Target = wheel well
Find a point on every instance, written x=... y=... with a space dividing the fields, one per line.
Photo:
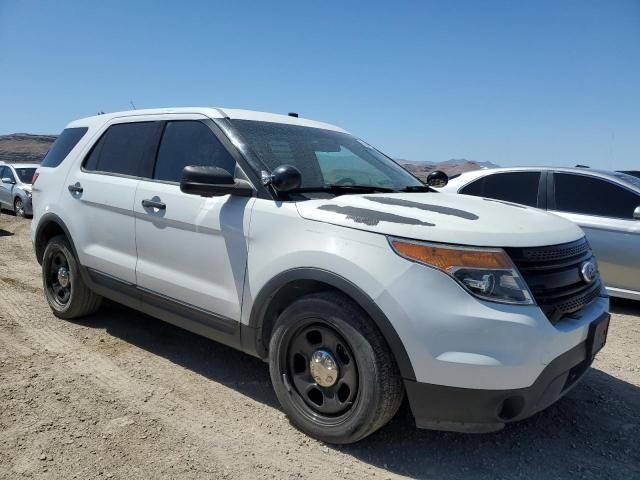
x=284 y=297
x=45 y=233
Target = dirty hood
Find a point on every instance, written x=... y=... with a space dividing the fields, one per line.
x=443 y=217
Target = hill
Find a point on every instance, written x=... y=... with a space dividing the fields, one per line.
x=24 y=147
x=451 y=167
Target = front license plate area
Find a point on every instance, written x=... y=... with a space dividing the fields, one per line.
x=597 y=335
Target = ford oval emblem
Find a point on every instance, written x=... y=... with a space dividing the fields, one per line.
x=589 y=271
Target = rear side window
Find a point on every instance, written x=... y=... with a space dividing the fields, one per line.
x=189 y=142
x=593 y=196
x=122 y=149
x=68 y=139
x=516 y=187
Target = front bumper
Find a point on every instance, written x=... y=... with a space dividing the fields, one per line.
x=439 y=407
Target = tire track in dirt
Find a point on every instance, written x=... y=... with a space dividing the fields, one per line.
x=37 y=324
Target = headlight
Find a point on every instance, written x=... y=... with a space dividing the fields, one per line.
x=487 y=273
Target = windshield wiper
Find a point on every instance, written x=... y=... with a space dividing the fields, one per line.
x=417 y=188
x=333 y=188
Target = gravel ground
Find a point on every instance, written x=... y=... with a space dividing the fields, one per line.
x=121 y=395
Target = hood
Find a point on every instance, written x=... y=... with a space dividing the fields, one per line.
x=443 y=217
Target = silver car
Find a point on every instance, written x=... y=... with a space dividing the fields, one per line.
x=605 y=204
x=15 y=187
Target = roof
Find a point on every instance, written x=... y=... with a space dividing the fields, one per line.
x=21 y=164
x=617 y=177
x=211 y=112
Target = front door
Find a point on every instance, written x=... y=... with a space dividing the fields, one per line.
x=6 y=189
x=192 y=251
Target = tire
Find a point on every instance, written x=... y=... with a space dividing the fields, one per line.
x=75 y=299
x=18 y=207
x=331 y=323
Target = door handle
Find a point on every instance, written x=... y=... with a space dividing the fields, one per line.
x=153 y=204
x=76 y=188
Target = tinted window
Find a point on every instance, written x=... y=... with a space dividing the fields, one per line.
x=189 y=143
x=7 y=173
x=592 y=196
x=122 y=149
x=516 y=187
x=25 y=174
x=68 y=139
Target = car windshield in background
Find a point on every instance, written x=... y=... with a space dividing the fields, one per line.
x=628 y=178
x=25 y=174
x=324 y=157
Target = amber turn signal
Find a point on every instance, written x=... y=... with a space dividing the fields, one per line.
x=445 y=258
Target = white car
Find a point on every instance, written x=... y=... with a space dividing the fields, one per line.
x=605 y=204
x=296 y=242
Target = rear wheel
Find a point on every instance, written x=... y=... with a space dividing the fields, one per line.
x=331 y=369
x=18 y=207
x=66 y=293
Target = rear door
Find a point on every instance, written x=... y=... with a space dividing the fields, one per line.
x=192 y=251
x=99 y=196
x=516 y=187
x=604 y=210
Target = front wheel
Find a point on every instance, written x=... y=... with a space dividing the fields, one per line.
x=18 y=207
x=331 y=369
x=66 y=292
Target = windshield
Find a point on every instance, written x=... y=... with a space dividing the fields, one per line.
x=25 y=174
x=628 y=178
x=324 y=157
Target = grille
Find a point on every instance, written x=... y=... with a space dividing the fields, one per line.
x=553 y=276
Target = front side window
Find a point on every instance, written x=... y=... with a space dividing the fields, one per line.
x=8 y=174
x=324 y=157
x=189 y=142
x=121 y=149
x=593 y=196
x=25 y=174
x=516 y=187
x=68 y=139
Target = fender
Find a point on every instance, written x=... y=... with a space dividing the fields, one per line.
x=45 y=220
x=252 y=333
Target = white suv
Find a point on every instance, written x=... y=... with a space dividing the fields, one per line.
x=298 y=243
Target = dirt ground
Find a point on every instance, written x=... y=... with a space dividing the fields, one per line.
x=121 y=395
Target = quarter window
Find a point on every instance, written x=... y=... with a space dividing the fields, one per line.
x=68 y=139
x=516 y=187
x=122 y=149
x=189 y=142
x=593 y=196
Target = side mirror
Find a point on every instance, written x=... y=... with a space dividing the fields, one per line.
x=8 y=180
x=437 y=179
x=212 y=182
x=283 y=178
x=636 y=213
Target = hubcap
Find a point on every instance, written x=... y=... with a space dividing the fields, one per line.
x=324 y=368
x=63 y=277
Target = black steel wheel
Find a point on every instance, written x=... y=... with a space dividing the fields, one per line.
x=332 y=370
x=323 y=371
x=66 y=292
x=18 y=207
x=58 y=278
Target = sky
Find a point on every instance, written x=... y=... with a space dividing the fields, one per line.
x=514 y=83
